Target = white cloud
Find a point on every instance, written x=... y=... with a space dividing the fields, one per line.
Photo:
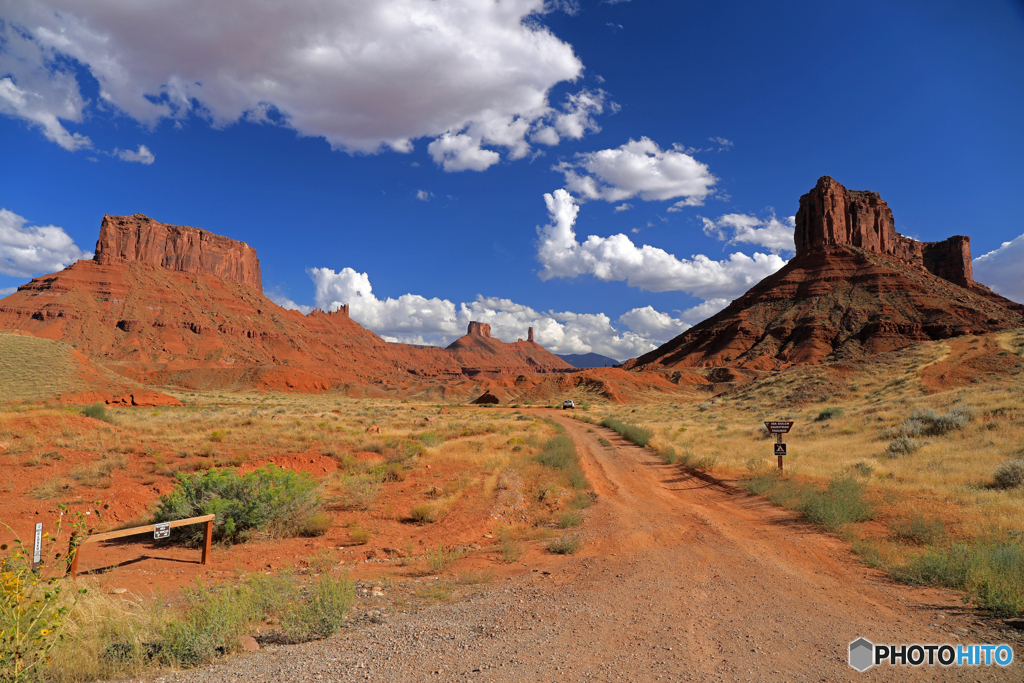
x=7 y=291
x=617 y=258
x=723 y=144
x=33 y=87
x=416 y=319
x=284 y=302
x=365 y=76
x=704 y=310
x=143 y=156
x=771 y=233
x=623 y=207
x=1000 y=269
x=423 y=195
x=653 y=324
x=639 y=168
x=34 y=250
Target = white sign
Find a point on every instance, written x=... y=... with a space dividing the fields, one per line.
x=38 y=548
x=162 y=530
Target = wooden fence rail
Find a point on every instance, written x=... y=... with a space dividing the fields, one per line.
x=75 y=547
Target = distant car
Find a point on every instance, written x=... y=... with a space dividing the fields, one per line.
x=568 y=404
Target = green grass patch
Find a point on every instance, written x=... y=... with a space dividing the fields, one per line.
x=565 y=545
x=641 y=436
x=841 y=503
x=560 y=453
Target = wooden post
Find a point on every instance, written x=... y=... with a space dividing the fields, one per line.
x=73 y=547
x=778 y=439
x=207 y=536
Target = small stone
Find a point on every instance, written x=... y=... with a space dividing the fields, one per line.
x=118 y=591
x=248 y=643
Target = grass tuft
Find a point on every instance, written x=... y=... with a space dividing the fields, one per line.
x=641 y=436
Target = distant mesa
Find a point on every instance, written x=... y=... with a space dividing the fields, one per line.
x=140 y=239
x=589 y=360
x=854 y=287
x=173 y=305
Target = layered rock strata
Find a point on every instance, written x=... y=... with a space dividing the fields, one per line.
x=140 y=239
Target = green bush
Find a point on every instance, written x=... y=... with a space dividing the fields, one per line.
x=902 y=445
x=272 y=500
x=828 y=414
x=929 y=422
x=567 y=520
x=317 y=525
x=565 y=545
x=98 y=411
x=641 y=436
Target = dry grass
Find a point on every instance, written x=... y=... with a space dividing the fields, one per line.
x=950 y=470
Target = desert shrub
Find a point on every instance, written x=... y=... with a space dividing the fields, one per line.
x=440 y=558
x=841 y=503
x=560 y=453
x=217 y=435
x=358 y=534
x=567 y=520
x=702 y=463
x=1010 y=474
x=322 y=610
x=929 y=422
x=828 y=414
x=902 y=445
x=565 y=545
x=272 y=500
x=98 y=411
x=359 y=491
x=431 y=439
x=641 y=436
x=920 y=530
x=583 y=500
x=668 y=455
x=317 y=525
x=991 y=571
x=423 y=513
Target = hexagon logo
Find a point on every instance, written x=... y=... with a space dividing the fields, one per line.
x=862 y=654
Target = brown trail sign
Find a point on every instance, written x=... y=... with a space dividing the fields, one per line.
x=778 y=428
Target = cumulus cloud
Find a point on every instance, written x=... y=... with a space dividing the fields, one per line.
x=641 y=169
x=365 y=76
x=617 y=258
x=704 y=310
x=770 y=233
x=34 y=87
x=423 y=195
x=415 y=319
x=33 y=250
x=142 y=156
x=1000 y=269
x=7 y=291
x=623 y=207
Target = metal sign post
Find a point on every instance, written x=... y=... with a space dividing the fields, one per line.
x=37 y=548
x=778 y=428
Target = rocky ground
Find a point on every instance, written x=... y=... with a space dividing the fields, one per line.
x=680 y=579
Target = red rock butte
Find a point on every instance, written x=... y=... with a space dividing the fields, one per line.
x=140 y=239
x=832 y=215
x=854 y=287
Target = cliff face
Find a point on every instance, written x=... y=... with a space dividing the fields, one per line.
x=140 y=239
x=832 y=215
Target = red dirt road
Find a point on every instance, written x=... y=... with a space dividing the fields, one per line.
x=681 y=579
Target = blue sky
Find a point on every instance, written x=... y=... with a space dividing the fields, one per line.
x=607 y=172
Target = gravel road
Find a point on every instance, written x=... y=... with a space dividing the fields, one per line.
x=680 y=579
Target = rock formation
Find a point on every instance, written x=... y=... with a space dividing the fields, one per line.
x=140 y=239
x=832 y=215
x=165 y=304
x=855 y=287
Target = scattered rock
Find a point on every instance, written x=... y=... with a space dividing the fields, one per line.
x=248 y=644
